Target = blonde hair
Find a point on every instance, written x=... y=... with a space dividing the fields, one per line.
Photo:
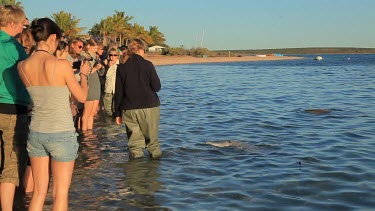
x=11 y=13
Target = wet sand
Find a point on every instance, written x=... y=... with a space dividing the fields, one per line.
x=158 y=60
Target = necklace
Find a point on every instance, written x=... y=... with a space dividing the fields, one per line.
x=42 y=50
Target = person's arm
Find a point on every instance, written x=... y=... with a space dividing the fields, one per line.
x=154 y=79
x=78 y=90
x=96 y=66
x=118 y=95
x=103 y=71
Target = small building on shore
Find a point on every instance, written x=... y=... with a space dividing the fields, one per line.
x=156 y=48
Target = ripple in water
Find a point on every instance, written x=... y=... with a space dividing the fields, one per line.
x=302 y=161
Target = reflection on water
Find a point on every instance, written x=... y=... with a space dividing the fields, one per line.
x=106 y=179
x=296 y=160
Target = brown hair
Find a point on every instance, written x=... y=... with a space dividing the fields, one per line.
x=42 y=28
x=137 y=44
x=74 y=41
x=90 y=42
x=11 y=13
x=26 y=39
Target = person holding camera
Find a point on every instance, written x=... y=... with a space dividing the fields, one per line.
x=75 y=48
x=91 y=105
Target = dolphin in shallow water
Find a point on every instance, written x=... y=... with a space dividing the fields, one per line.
x=229 y=143
x=318 y=111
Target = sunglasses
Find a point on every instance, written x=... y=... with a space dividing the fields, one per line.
x=80 y=46
x=113 y=55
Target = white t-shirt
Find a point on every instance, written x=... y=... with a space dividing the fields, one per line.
x=110 y=79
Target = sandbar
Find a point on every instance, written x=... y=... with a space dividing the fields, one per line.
x=159 y=60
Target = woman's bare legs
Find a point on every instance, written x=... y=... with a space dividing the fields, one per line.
x=28 y=180
x=94 y=111
x=89 y=112
x=62 y=176
x=86 y=113
x=40 y=169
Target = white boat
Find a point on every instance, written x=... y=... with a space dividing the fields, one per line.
x=318 y=58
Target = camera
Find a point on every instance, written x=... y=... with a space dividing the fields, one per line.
x=98 y=61
x=76 y=65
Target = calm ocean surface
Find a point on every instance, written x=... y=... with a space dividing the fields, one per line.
x=293 y=160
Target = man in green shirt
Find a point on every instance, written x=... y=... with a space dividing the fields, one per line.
x=14 y=101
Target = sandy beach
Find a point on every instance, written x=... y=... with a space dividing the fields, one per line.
x=158 y=60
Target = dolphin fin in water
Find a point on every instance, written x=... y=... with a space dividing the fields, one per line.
x=229 y=143
x=318 y=111
x=220 y=143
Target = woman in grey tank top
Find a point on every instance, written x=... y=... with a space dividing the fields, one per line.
x=52 y=140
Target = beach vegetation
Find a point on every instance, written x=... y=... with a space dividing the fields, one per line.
x=138 y=31
x=157 y=36
x=11 y=2
x=102 y=29
x=119 y=29
x=181 y=51
x=121 y=26
x=68 y=23
x=199 y=52
x=178 y=51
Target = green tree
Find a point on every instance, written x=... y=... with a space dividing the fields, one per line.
x=139 y=31
x=68 y=23
x=118 y=26
x=102 y=29
x=11 y=2
x=157 y=37
x=121 y=25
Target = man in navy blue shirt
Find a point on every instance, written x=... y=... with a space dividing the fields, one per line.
x=136 y=100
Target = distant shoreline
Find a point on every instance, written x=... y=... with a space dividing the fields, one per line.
x=159 y=60
x=295 y=51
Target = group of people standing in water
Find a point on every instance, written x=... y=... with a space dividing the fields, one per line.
x=63 y=84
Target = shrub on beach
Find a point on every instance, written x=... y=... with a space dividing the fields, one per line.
x=176 y=52
x=199 y=52
x=180 y=51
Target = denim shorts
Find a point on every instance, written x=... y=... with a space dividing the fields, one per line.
x=61 y=146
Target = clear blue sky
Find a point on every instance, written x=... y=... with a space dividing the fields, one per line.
x=234 y=24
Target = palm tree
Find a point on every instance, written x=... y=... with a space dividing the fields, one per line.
x=157 y=37
x=102 y=29
x=68 y=23
x=139 y=31
x=120 y=24
x=11 y=2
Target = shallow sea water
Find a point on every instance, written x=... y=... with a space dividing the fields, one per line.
x=294 y=160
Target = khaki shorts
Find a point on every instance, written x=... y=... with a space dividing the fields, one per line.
x=14 y=131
